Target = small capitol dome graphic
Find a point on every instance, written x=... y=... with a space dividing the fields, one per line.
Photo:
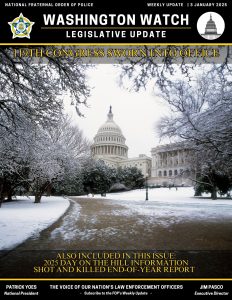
x=210 y=26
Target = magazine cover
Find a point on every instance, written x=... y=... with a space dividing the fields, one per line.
x=115 y=148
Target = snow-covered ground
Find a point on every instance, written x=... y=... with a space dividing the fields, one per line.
x=164 y=194
x=85 y=222
x=172 y=206
x=68 y=229
x=21 y=219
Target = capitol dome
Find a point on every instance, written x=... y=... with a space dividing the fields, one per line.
x=109 y=140
x=210 y=27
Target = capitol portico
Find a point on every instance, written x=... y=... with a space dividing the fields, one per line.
x=169 y=163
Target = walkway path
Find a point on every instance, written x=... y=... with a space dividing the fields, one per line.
x=101 y=224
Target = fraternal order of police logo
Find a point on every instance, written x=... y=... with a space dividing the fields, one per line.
x=21 y=27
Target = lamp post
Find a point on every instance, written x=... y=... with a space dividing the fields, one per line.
x=146 y=185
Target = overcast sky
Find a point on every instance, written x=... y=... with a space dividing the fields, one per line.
x=135 y=113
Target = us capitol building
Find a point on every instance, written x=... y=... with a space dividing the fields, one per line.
x=167 y=165
x=210 y=30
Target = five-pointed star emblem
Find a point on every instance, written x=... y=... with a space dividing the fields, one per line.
x=21 y=27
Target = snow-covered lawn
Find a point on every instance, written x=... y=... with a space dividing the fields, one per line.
x=22 y=218
x=167 y=206
x=164 y=194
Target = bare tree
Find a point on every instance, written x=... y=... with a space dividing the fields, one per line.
x=34 y=157
x=33 y=86
x=202 y=115
x=160 y=70
x=62 y=152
